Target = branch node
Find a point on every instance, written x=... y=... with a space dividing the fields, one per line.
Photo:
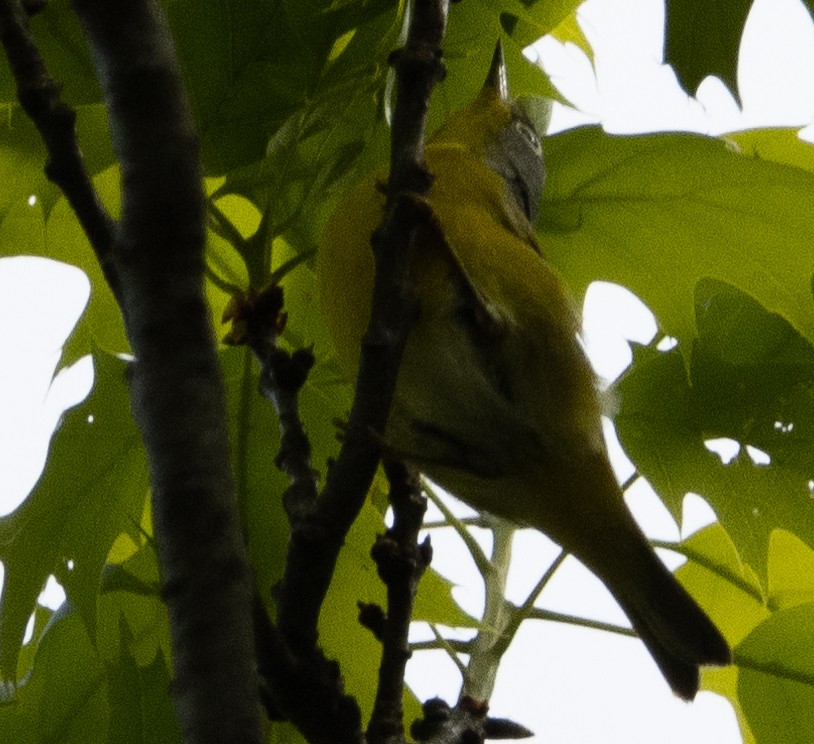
x=466 y=723
x=436 y=714
x=372 y=617
x=422 y=59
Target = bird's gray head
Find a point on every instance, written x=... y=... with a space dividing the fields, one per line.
x=517 y=152
x=517 y=155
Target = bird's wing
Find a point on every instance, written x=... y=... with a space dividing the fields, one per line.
x=515 y=308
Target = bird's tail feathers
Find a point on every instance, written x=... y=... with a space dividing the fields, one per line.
x=677 y=632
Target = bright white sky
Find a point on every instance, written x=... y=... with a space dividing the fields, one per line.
x=570 y=685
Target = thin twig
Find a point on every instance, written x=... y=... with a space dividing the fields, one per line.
x=258 y=320
x=491 y=641
x=39 y=95
x=317 y=540
x=401 y=562
x=452 y=647
x=542 y=582
x=581 y=622
x=482 y=562
x=304 y=688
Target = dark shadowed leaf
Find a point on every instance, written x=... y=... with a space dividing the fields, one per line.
x=141 y=711
x=703 y=39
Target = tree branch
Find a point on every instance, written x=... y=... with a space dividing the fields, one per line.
x=317 y=539
x=308 y=691
x=39 y=95
x=401 y=562
x=177 y=393
x=305 y=688
x=258 y=320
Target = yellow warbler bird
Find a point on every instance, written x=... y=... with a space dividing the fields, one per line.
x=496 y=400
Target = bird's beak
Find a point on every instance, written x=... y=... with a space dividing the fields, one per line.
x=497 y=80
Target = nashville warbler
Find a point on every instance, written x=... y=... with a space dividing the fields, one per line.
x=496 y=400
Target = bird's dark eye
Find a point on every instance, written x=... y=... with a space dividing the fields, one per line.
x=529 y=135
